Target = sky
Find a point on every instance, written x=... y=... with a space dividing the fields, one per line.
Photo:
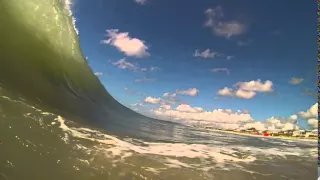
x=222 y=63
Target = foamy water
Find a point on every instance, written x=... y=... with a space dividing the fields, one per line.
x=222 y=154
x=204 y=154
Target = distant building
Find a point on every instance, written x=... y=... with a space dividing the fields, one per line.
x=313 y=133
x=289 y=132
x=299 y=133
x=253 y=131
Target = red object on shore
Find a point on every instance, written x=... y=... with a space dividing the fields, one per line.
x=265 y=134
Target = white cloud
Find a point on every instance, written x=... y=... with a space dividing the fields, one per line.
x=188 y=108
x=245 y=94
x=311 y=115
x=226 y=118
x=188 y=114
x=221 y=70
x=312 y=112
x=313 y=122
x=123 y=64
x=247 y=90
x=124 y=43
x=223 y=28
x=294 y=117
x=169 y=95
x=152 y=100
x=295 y=81
x=165 y=106
x=98 y=73
x=277 y=123
x=170 y=98
x=140 y=1
x=205 y=54
x=257 y=86
x=189 y=92
x=257 y=125
x=225 y=92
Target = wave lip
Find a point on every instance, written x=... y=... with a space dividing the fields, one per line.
x=41 y=60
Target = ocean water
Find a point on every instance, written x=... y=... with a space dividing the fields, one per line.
x=39 y=145
x=58 y=122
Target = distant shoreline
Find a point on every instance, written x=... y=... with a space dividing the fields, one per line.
x=260 y=136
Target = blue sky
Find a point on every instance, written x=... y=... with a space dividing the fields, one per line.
x=255 y=56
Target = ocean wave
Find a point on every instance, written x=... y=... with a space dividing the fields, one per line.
x=176 y=153
x=101 y=151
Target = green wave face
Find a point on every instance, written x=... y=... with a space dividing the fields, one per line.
x=40 y=58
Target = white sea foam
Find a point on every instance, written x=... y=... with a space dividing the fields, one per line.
x=120 y=147
x=219 y=155
x=197 y=156
x=68 y=5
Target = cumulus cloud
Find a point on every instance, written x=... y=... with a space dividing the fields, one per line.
x=247 y=90
x=188 y=108
x=313 y=123
x=225 y=92
x=295 y=81
x=205 y=54
x=152 y=100
x=257 y=125
x=221 y=27
x=257 y=86
x=165 y=107
x=189 y=114
x=124 y=43
x=279 y=123
x=189 y=92
x=98 y=73
x=224 y=118
x=221 y=70
x=311 y=115
x=245 y=94
x=123 y=64
x=312 y=112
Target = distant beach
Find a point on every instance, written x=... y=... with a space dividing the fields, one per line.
x=261 y=136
